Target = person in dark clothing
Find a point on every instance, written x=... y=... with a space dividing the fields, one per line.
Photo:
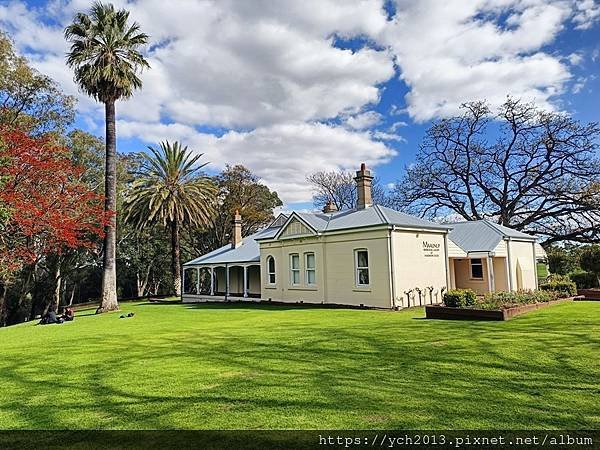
x=49 y=318
x=68 y=315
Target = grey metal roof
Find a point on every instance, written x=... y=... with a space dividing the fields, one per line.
x=358 y=218
x=249 y=251
x=482 y=235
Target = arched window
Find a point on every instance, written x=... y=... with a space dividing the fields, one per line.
x=271 y=269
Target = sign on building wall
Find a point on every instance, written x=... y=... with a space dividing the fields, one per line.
x=431 y=249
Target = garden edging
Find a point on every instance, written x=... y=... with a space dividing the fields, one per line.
x=450 y=313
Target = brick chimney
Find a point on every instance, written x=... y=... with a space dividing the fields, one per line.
x=236 y=232
x=329 y=207
x=363 y=187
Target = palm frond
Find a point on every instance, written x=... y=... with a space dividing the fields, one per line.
x=105 y=52
x=170 y=188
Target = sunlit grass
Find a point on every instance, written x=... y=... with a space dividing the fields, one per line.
x=253 y=366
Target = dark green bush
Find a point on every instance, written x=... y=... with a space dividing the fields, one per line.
x=563 y=287
x=459 y=298
x=584 y=280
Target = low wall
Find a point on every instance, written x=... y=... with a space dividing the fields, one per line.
x=589 y=294
x=448 y=313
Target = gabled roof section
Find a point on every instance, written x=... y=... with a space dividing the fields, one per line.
x=482 y=235
x=301 y=219
x=279 y=221
x=248 y=251
x=319 y=222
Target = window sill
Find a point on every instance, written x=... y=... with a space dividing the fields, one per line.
x=271 y=287
x=361 y=289
x=303 y=288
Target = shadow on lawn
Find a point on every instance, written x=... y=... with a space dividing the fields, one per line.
x=402 y=374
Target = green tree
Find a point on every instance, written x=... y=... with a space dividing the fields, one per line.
x=30 y=100
x=563 y=259
x=106 y=59
x=239 y=189
x=590 y=260
x=171 y=190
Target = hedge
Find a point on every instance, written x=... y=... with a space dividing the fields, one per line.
x=563 y=287
x=584 y=280
x=459 y=298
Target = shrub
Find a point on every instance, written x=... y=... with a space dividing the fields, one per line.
x=590 y=260
x=459 y=298
x=563 y=287
x=503 y=300
x=584 y=280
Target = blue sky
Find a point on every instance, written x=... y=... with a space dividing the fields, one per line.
x=290 y=87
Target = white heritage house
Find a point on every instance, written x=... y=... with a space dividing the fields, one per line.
x=368 y=256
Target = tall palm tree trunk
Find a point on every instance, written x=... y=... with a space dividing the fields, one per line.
x=109 y=274
x=176 y=257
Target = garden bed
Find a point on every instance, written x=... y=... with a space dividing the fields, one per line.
x=589 y=294
x=452 y=313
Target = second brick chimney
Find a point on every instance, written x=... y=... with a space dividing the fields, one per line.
x=363 y=187
x=236 y=232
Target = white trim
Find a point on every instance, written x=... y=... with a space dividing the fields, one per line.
x=471 y=269
x=392 y=268
x=269 y=273
x=292 y=270
x=310 y=269
x=490 y=270
x=509 y=264
x=287 y=222
x=357 y=283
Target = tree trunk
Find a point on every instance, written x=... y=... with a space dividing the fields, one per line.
x=57 y=286
x=72 y=295
x=176 y=257
x=109 y=274
x=3 y=312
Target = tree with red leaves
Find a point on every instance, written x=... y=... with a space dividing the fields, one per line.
x=50 y=209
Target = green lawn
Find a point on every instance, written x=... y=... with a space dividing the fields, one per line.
x=236 y=366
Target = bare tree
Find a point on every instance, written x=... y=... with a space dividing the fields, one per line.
x=541 y=173
x=339 y=187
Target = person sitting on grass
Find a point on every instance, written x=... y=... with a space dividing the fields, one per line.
x=68 y=314
x=50 y=317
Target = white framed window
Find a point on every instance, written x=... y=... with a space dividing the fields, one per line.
x=271 y=270
x=476 y=269
x=361 y=263
x=310 y=269
x=295 y=269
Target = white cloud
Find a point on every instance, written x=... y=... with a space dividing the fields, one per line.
x=382 y=135
x=364 y=120
x=575 y=58
x=587 y=12
x=271 y=68
x=468 y=53
x=230 y=63
x=282 y=155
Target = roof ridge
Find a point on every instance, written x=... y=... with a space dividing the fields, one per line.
x=381 y=214
x=493 y=227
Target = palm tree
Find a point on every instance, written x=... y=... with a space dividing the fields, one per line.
x=170 y=190
x=104 y=55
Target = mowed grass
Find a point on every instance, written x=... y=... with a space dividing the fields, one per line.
x=271 y=367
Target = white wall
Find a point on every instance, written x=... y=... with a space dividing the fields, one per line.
x=523 y=269
x=419 y=261
x=335 y=269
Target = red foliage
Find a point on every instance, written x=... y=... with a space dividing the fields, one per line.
x=50 y=208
